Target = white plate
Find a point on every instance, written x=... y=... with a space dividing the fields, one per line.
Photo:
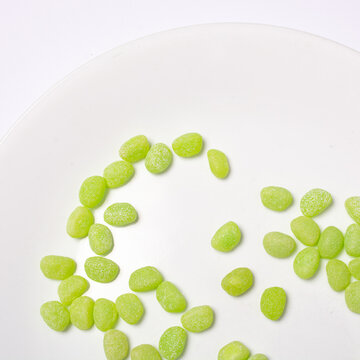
x=283 y=105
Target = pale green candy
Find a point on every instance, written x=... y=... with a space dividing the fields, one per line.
x=352 y=206
x=276 y=198
x=130 y=308
x=237 y=281
x=170 y=297
x=352 y=240
x=227 y=237
x=218 y=163
x=354 y=267
x=135 y=149
x=352 y=297
x=79 y=222
x=118 y=174
x=331 y=242
x=145 y=352
x=306 y=230
x=145 y=279
x=105 y=314
x=314 y=202
x=55 y=315
x=72 y=288
x=92 y=191
x=120 y=214
x=234 y=351
x=172 y=343
x=188 y=145
x=258 y=357
x=100 y=239
x=158 y=159
x=101 y=269
x=338 y=274
x=307 y=262
x=278 y=244
x=57 y=267
x=116 y=345
x=198 y=319
x=81 y=312
x=273 y=302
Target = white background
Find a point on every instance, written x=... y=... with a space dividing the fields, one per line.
x=44 y=40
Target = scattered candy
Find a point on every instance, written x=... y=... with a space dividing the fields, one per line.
x=218 y=163
x=227 y=237
x=100 y=269
x=158 y=159
x=352 y=240
x=352 y=297
x=120 y=214
x=188 y=145
x=306 y=230
x=116 y=345
x=170 y=297
x=135 y=149
x=354 y=267
x=331 y=242
x=276 y=198
x=55 y=315
x=57 y=267
x=145 y=352
x=273 y=302
x=118 y=174
x=79 y=222
x=105 y=314
x=234 y=351
x=314 y=202
x=72 y=288
x=145 y=279
x=172 y=343
x=92 y=191
x=352 y=206
x=100 y=239
x=81 y=312
x=130 y=308
x=338 y=275
x=198 y=319
x=307 y=262
x=237 y=281
x=278 y=244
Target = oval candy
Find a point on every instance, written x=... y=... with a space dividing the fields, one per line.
x=307 y=262
x=258 y=357
x=158 y=159
x=145 y=352
x=278 y=244
x=352 y=297
x=145 y=279
x=116 y=345
x=188 y=145
x=130 y=308
x=120 y=214
x=331 y=242
x=234 y=351
x=198 y=319
x=135 y=149
x=314 y=202
x=79 y=222
x=352 y=240
x=101 y=269
x=118 y=174
x=354 y=267
x=172 y=343
x=238 y=281
x=105 y=314
x=100 y=239
x=55 y=315
x=352 y=206
x=218 y=163
x=92 y=191
x=227 y=237
x=273 y=302
x=276 y=198
x=170 y=297
x=338 y=275
x=305 y=230
x=81 y=312
x=72 y=288
x=57 y=267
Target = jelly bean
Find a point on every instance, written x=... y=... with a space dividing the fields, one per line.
x=55 y=315
x=354 y=267
x=234 y=351
x=105 y=314
x=331 y=242
x=145 y=352
x=72 y=288
x=227 y=237
x=81 y=312
x=116 y=345
x=145 y=279
x=172 y=343
x=314 y=202
x=118 y=174
x=158 y=159
x=352 y=297
x=101 y=270
x=276 y=198
x=352 y=240
x=130 y=308
x=57 y=267
x=100 y=239
x=352 y=206
x=120 y=214
x=237 y=281
x=218 y=163
x=79 y=222
x=306 y=230
x=307 y=262
x=273 y=302
x=135 y=149
x=92 y=191
x=338 y=275
x=258 y=357
x=198 y=319
x=170 y=297
x=188 y=145
x=278 y=244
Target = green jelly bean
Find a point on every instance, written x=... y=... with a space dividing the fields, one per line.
x=92 y=191
x=158 y=159
x=198 y=319
x=234 y=351
x=101 y=270
x=100 y=239
x=258 y=357
x=278 y=244
x=331 y=242
x=172 y=343
x=354 y=267
x=170 y=297
x=338 y=274
x=72 y=288
x=306 y=230
x=130 y=308
x=116 y=345
x=273 y=302
x=81 y=312
x=57 y=267
x=352 y=206
x=135 y=149
x=276 y=198
x=105 y=314
x=227 y=237
x=120 y=214
x=307 y=262
x=55 y=315
x=218 y=163
x=237 y=281
x=79 y=222
x=145 y=279
x=352 y=297
x=314 y=202
x=188 y=145
x=352 y=240
x=118 y=174
x=145 y=352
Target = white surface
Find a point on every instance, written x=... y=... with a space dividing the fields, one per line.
x=44 y=40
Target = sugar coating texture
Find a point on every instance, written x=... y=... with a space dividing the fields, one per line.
x=218 y=163
x=278 y=244
x=120 y=214
x=238 y=281
x=145 y=279
x=79 y=222
x=92 y=191
x=227 y=237
x=352 y=206
x=158 y=159
x=57 y=267
x=172 y=343
x=118 y=174
x=307 y=262
x=188 y=145
x=72 y=288
x=331 y=242
x=101 y=269
x=170 y=297
x=276 y=198
x=130 y=308
x=352 y=240
x=338 y=274
x=55 y=315
x=198 y=319
x=258 y=357
x=273 y=302
x=145 y=352
x=100 y=239
x=354 y=267
x=352 y=297
x=306 y=230
x=314 y=202
x=81 y=312
x=116 y=345
x=105 y=314
x=234 y=351
x=135 y=149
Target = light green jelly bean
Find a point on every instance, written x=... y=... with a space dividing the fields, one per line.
x=352 y=297
x=118 y=174
x=273 y=302
x=278 y=244
x=354 y=267
x=135 y=149
x=218 y=163
x=92 y=191
x=258 y=357
x=227 y=237
x=238 y=281
x=352 y=240
x=338 y=274
x=158 y=159
x=116 y=345
x=307 y=262
x=198 y=319
x=101 y=269
x=72 y=288
x=145 y=352
x=352 y=206
x=331 y=242
x=100 y=239
x=57 y=267
x=234 y=351
x=306 y=230
x=120 y=214
x=81 y=312
x=172 y=343
x=145 y=279
x=314 y=202
x=188 y=145
x=105 y=314
x=276 y=198
x=130 y=308
x=170 y=297
x=79 y=222
x=55 y=315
